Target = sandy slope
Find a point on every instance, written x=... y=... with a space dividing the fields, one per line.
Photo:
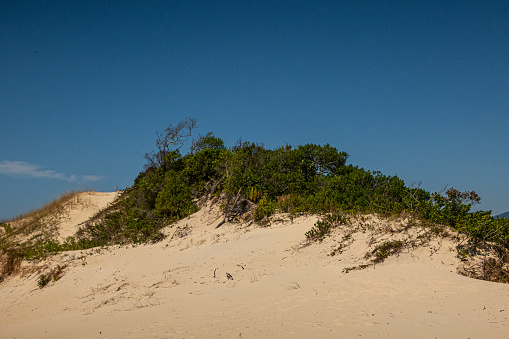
x=82 y=207
x=179 y=288
x=67 y=218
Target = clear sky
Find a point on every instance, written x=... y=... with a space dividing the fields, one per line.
x=418 y=89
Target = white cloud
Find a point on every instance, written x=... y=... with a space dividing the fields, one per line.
x=24 y=169
x=91 y=177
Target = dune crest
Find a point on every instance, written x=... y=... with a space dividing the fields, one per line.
x=84 y=206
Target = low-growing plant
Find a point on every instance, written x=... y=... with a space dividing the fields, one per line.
x=264 y=209
x=495 y=270
x=354 y=268
x=349 y=269
x=7 y=227
x=346 y=240
x=323 y=228
x=43 y=280
x=385 y=250
x=10 y=262
x=338 y=250
x=52 y=275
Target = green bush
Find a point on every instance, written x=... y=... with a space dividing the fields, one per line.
x=323 y=228
x=265 y=208
x=481 y=227
x=385 y=250
x=174 y=200
x=43 y=280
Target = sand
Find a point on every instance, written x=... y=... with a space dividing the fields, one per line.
x=179 y=288
x=81 y=208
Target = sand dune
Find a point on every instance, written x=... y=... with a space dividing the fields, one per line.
x=84 y=206
x=245 y=281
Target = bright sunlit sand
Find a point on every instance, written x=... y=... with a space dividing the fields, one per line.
x=246 y=281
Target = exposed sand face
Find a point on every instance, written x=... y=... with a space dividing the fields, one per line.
x=71 y=215
x=179 y=288
x=84 y=206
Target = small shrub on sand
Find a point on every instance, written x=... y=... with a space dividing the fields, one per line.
x=43 y=280
x=323 y=228
x=10 y=262
x=385 y=250
x=53 y=275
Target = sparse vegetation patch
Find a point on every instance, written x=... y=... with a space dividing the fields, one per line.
x=385 y=250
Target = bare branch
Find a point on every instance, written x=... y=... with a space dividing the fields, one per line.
x=172 y=139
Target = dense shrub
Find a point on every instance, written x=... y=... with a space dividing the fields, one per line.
x=174 y=200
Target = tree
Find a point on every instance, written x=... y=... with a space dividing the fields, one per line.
x=169 y=143
x=209 y=141
x=325 y=159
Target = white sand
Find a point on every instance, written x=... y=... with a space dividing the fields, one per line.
x=279 y=289
x=81 y=208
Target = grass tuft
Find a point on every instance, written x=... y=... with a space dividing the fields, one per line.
x=28 y=236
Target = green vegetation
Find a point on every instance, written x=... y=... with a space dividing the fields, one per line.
x=43 y=280
x=52 y=275
x=251 y=180
x=323 y=228
x=385 y=250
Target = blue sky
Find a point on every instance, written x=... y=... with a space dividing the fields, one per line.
x=418 y=89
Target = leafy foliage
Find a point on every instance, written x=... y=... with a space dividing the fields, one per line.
x=323 y=228
x=386 y=249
